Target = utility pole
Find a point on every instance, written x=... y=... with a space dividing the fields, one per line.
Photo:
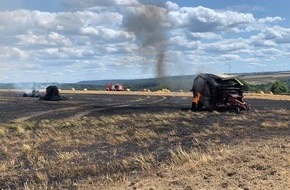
x=230 y=66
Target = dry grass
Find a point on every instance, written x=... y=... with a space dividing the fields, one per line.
x=266 y=96
x=134 y=150
x=275 y=124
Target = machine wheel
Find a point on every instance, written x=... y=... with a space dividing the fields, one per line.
x=196 y=107
x=193 y=106
x=238 y=110
x=210 y=109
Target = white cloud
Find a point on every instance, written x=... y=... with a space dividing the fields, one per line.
x=96 y=36
x=105 y=34
x=181 y=42
x=22 y=21
x=51 y=39
x=269 y=20
x=272 y=36
x=201 y=19
x=277 y=34
x=171 y=6
x=203 y=35
x=269 y=52
x=230 y=57
x=77 y=4
x=226 y=46
x=12 y=53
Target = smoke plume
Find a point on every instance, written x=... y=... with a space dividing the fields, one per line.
x=149 y=24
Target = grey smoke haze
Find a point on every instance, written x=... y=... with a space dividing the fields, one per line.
x=28 y=87
x=161 y=67
x=150 y=23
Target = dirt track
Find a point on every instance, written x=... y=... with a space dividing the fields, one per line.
x=15 y=108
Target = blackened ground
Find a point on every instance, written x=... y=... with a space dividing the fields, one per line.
x=260 y=104
x=253 y=148
x=14 y=107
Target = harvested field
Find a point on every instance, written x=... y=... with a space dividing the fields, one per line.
x=144 y=141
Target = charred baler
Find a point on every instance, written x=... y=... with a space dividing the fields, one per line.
x=218 y=92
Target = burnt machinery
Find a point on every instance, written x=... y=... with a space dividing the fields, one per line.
x=218 y=92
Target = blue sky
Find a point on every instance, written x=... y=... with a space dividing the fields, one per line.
x=72 y=40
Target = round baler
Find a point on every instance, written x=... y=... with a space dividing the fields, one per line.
x=218 y=92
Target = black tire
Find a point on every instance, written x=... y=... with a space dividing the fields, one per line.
x=196 y=107
x=238 y=110
x=193 y=106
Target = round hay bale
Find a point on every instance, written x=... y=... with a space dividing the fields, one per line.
x=52 y=94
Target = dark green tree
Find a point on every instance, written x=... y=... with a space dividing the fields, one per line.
x=247 y=87
x=279 y=87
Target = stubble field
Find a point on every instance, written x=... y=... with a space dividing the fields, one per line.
x=142 y=141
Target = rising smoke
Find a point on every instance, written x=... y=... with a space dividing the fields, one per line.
x=28 y=87
x=149 y=23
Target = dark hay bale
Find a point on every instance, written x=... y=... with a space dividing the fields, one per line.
x=52 y=94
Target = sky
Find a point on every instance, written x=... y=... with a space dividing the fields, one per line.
x=68 y=41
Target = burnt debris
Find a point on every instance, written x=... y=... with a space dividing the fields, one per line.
x=34 y=93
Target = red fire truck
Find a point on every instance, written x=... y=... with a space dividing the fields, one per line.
x=114 y=87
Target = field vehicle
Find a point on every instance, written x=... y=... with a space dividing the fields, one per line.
x=218 y=92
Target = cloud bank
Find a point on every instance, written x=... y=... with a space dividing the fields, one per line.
x=127 y=39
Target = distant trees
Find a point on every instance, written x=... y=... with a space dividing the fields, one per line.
x=279 y=87
x=247 y=87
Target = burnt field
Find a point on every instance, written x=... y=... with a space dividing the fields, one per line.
x=15 y=108
x=114 y=141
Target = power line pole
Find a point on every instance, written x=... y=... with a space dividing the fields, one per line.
x=230 y=67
